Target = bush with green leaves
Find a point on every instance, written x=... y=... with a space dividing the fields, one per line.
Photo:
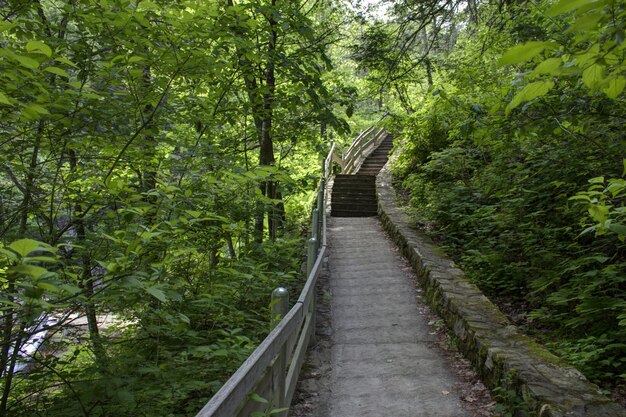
x=515 y=163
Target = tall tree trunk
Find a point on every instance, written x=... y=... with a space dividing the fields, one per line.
x=87 y=281
x=267 y=144
x=261 y=96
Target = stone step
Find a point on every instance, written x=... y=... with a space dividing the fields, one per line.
x=369 y=207
x=379 y=163
x=373 y=171
x=355 y=186
x=344 y=178
x=348 y=185
x=355 y=195
x=339 y=213
x=353 y=192
x=342 y=198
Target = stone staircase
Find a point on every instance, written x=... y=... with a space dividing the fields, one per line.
x=355 y=195
x=374 y=163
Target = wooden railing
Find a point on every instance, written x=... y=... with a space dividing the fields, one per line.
x=267 y=380
x=362 y=146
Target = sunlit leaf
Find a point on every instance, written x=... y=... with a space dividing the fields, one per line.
x=549 y=66
x=524 y=52
x=57 y=71
x=66 y=61
x=25 y=246
x=4 y=99
x=564 y=6
x=615 y=87
x=39 y=47
x=27 y=62
x=599 y=213
x=593 y=76
x=530 y=92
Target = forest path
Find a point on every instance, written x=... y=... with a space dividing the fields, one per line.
x=383 y=357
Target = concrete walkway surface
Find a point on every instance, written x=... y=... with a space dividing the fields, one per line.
x=383 y=358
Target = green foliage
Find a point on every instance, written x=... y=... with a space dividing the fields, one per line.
x=519 y=172
x=158 y=160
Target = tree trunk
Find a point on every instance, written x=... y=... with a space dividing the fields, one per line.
x=86 y=282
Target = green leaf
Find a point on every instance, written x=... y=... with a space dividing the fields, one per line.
x=530 y=92
x=278 y=410
x=549 y=66
x=615 y=87
x=32 y=270
x=256 y=397
x=565 y=6
x=34 y=111
x=584 y=23
x=5 y=26
x=66 y=61
x=8 y=254
x=618 y=228
x=156 y=293
x=147 y=5
x=25 y=246
x=593 y=77
x=599 y=213
x=38 y=47
x=42 y=259
x=5 y=100
x=48 y=287
x=57 y=71
x=525 y=52
x=27 y=62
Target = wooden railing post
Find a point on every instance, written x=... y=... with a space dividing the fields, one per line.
x=280 y=307
x=320 y=211
x=311 y=255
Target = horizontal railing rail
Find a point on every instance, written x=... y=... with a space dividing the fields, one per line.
x=267 y=380
x=362 y=146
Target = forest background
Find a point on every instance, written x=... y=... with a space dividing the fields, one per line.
x=159 y=159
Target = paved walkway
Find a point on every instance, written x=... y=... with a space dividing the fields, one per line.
x=384 y=362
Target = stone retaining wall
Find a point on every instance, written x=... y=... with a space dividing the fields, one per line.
x=499 y=351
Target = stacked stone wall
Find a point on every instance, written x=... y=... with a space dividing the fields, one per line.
x=503 y=355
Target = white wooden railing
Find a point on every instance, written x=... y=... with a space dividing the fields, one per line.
x=267 y=380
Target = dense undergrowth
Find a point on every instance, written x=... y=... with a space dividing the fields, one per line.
x=519 y=171
x=170 y=358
